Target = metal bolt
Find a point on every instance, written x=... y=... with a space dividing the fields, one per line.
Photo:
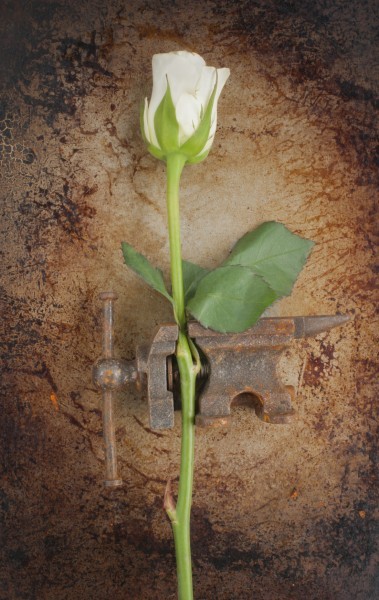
x=111 y=475
x=108 y=299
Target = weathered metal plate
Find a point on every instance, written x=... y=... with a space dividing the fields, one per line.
x=278 y=512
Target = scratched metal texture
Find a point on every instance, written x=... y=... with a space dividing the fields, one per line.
x=278 y=511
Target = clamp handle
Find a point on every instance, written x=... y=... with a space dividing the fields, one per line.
x=110 y=374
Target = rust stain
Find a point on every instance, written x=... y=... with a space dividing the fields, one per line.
x=54 y=401
x=147 y=429
x=294 y=495
x=314 y=371
x=158 y=33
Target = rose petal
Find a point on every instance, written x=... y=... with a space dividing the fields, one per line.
x=182 y=69
x=205 y=85
x=183 y=74
x=145 y=122
x=188 y=111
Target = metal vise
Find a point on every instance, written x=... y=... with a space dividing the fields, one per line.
x=237 y=365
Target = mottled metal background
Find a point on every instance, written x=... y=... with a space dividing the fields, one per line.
x=279 y=512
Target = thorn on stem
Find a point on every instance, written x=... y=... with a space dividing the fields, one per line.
x=169 y=502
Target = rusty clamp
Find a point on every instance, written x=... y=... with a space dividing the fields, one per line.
x=238 y=367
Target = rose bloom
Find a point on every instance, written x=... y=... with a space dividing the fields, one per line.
x=192 y=86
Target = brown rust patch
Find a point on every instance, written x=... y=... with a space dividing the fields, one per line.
x=314 y=370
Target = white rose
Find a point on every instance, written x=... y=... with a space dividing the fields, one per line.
x=182 y=113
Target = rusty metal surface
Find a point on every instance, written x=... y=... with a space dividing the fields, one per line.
x=279 y=512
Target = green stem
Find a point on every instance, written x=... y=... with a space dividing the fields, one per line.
x=175 y=164
x=181 y=514
x=181 y=524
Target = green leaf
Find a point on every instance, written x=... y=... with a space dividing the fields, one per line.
x=144 y=269
x=274 y=253
x=166 y=124
x=230 y=299
x=195 y=144
x=191 y=276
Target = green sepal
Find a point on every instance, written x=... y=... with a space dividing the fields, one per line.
x=156 y=152
x=166 y=124
x=195 y=144
x=140 y=265
x=198 y=158
x=273 y=252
